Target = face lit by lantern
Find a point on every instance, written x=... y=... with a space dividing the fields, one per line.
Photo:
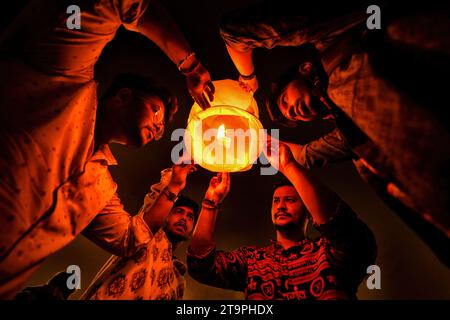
x=228 y=135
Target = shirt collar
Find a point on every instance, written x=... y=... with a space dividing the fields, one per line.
x=277 y=246
x=103 y=153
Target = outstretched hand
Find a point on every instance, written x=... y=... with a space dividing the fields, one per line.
x=179 y=176
x=278 y=153
x=200 y=86
x=219 y=186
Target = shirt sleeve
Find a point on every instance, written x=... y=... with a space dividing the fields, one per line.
x=351 y=244
x=328 y=149
x=131 y=11
x=222 y=269
x=267 y=26
x=116 y=231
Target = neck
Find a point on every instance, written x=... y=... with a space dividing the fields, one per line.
x=290 y=238
x=174 y=240
x=108 y=128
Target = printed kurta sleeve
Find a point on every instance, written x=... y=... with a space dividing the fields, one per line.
x=222 y=269
x=116 y=231
x=266 y=26
x=352 y=245
x=330 y=148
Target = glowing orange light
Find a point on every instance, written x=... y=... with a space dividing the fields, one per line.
x=225 y=137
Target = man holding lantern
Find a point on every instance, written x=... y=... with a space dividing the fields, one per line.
x=293 y=266
x=54 y=153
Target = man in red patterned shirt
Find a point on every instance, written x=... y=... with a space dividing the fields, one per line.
x=293 y=266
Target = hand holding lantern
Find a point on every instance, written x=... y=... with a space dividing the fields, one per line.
x=219 y=186
x=179 y=176
x=279 y=154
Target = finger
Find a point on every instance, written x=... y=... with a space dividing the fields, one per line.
x=212 y=89
x=225 y=178
x=209 y=94
x=205 y=101
x=200 y=99
x=227 y=181
x=213 y=181
x=190 y=168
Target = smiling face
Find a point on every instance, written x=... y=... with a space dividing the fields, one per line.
x=297 y=103
x=180 y=223
x=145 y=120
x=288 y=210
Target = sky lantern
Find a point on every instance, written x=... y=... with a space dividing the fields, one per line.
x=227 y=137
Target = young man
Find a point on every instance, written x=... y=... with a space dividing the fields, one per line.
x=360 y=79
x=48 y=99
x=133 y=112
x=293 y=266
x=153 y=273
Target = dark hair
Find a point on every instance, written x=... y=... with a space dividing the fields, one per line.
x=317 y=80
x=184 y=201
x=276 y=90
x=147 y=87
x=282 y=183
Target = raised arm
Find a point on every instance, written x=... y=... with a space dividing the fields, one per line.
x=265 y=26
x=353 y=246
x=121 y=234
x=320 y=201
x=207 y=265
x=160 y=27
x=330 y=148
x=156 y=214
x=203 y=238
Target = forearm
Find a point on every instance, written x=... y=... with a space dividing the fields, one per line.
x=155 y=215
x=203 y=236
x=160 y=27
x=319 y=200
x=243 y=60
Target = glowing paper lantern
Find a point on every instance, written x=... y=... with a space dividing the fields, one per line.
x=226 y=136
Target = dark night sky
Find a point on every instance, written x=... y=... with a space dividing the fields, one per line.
x=409 y=270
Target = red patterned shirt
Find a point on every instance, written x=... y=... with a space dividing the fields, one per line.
x=330 y=267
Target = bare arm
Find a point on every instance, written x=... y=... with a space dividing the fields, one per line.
x=203 y=238
x=156 y=214
x=320 y=201
x=159 y=26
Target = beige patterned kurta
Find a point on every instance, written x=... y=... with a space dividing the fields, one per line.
x=52 y=185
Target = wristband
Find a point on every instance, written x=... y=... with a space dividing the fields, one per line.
x=182 y=61
x=210 y=204
x=170 y=195
x=249 y=77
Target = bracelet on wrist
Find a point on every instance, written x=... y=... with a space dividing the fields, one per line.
x=248 y=77
x=192 y=69
x=186 y=58
x=169 y=194
x=210 y=204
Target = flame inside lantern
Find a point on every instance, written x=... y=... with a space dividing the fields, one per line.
x=226 y=136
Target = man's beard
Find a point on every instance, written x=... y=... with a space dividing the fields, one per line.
x=287 y=227
x=174 y=237
x=291 y=226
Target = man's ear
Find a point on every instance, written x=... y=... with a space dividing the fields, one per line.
x=306 y=69
x=124 y=95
